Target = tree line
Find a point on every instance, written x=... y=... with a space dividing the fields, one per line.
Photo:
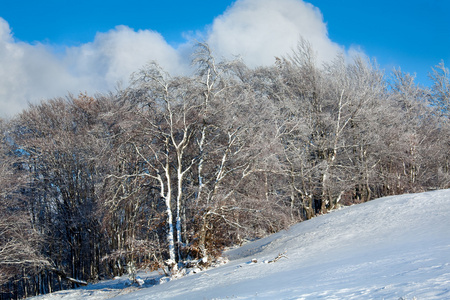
x=170 y=170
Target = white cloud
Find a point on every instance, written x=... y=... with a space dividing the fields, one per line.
x=256 y=30
x=114 y=55
x=27 y=72
x=259 y=30
x=30 y=73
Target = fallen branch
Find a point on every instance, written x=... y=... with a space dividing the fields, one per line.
x=64 y=276
x=279 y=256
x=77 y=281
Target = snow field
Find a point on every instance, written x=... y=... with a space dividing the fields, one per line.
x=391 y=248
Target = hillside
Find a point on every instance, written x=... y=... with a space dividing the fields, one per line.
x=388 y=248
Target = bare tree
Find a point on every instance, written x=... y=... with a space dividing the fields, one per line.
x=59 y=152
x=440 y=98
x=20 y=243
x=323 y=113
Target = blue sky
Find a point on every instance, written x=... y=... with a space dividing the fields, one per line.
x=75 y=22
x=414 y=35
x=52 y=47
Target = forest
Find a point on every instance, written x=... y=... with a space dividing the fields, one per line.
x=167 y=172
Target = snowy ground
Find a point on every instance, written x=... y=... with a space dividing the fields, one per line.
x=390 y=248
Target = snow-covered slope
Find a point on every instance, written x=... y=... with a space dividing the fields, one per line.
x=385 y=249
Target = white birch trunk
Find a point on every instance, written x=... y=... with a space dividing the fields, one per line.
x=167 y=196
x=200 y=163
x=179 y=196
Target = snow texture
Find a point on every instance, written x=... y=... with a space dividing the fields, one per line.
x=390 y=248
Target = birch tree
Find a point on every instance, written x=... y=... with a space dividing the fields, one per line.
x=167 y=122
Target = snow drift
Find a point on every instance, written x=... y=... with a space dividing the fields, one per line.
x=389 y=248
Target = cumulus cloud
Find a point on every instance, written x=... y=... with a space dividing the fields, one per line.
x=26 y=72
x=118 y=53
x=29 y=73
x=255 y=30
x=259 y=30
